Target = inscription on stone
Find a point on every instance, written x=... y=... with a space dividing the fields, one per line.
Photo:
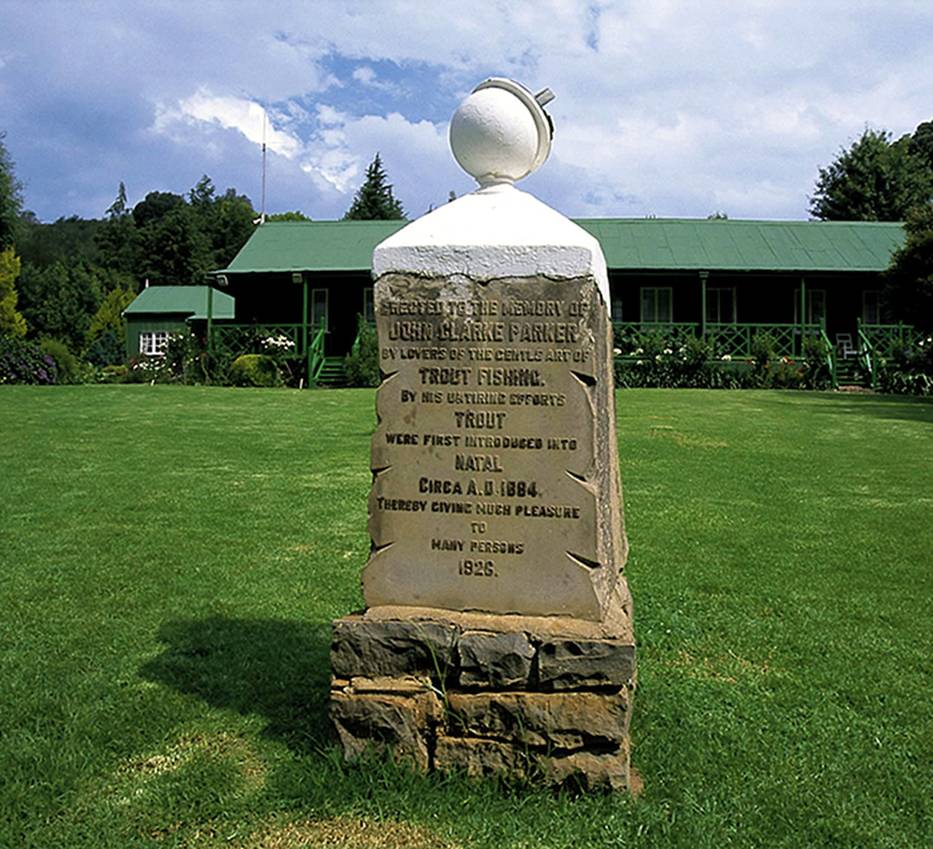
x=487 y=470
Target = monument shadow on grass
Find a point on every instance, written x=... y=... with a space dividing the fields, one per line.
x=276 y=668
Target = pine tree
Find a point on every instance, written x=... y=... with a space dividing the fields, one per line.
x=374 y=200
x=118 y=207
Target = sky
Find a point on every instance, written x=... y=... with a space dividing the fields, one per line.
x=667 y=108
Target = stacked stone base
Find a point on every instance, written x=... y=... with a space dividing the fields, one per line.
x=545 y=699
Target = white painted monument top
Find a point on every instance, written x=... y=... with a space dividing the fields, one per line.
x=499 y=134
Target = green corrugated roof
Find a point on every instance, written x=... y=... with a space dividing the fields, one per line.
x=190 y=301
x=717 y=245
x=312 y=246
x=628 y=243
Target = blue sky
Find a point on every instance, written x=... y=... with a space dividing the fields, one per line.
x=666 y=108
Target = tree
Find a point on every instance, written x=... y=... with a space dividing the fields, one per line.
x=11 y=198
x=106 y=336
x=118 y=207
x=921 y=143
x=155 y=206
x=908 y=294
x=874 y=180
x=374 y=199
x=174 y=249
x=60 y=300
x=12 y=322
x=287 y=216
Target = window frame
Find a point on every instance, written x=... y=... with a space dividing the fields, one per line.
x=653 y=293
x=152 y=343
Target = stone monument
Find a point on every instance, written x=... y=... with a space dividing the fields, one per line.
x=497 y=635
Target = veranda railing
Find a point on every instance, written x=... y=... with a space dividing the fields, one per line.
x=736 y=340
x=882 y=340
x=229 y=341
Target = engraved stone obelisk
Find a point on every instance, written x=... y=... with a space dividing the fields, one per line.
x=495 y=572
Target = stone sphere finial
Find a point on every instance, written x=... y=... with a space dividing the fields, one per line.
x=501 y=132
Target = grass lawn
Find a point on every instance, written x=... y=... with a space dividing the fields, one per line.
x=172 y=557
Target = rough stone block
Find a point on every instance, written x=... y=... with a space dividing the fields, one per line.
x=555 y=720
x=569 y=664
x=479 y=758
x=590 y=770
x=405 y=685
x=402 y=723
x=494 y=660
x=391 y=647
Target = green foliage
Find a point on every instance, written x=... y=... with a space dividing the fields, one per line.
x=60 y=301
x=22 y=361
x=908 y=293
x=254 y=370
x=921 y=143
x=69 y=241
x=173 y=249
x=659 y=361
x=11 y=198
x=69 y=368
x=374 y=199
x=907 y=369
x=12 y=322
x=874 y=180
x=362 y=363
x=108 y=348
x=185 y=359
x=109 y=319
x=287 y=216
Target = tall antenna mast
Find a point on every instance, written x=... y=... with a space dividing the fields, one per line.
x=262 y=211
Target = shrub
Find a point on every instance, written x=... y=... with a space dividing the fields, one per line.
x=24 y=362
x=143 y=369
x=185 y=361
x=254 y=370
x=908 y=370
x=362 y=362
x=114 y=374
x=106 y=349
x=816 y=373
x=70 y=368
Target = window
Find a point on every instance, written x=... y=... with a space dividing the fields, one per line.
x=319 y=311
x=816 y=306
x=617 y=308
x=656 y=304
x=720 y=305
x=152 y=342
x=369 y=312
x=871 y=306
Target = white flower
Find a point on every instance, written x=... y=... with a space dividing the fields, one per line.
x=668 y=351
x=617 y=351
x=638 y=351
x=639 y=362
x=657 y=358
x=727 y=358
x=278 y=343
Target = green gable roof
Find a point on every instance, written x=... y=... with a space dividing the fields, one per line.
x=628 y=243
x=189 y=301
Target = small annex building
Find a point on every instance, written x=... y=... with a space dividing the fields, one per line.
x=159 y=311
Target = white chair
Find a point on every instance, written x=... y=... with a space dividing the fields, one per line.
x=844 y=345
